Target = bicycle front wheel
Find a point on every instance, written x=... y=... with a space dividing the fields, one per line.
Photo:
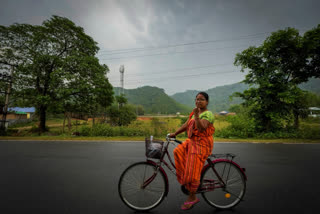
x=220 y=196
x=140 y=189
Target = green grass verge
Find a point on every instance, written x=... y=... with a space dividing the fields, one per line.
x=136 y=138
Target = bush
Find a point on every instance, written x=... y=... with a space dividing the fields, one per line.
x=109 y=131
x=240 y=126
x=156 y=127
x=85 y=131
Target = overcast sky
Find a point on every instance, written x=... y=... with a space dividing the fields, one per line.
x=172 y=44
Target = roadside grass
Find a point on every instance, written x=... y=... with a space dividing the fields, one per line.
x=141 y=138
x=220 y=124
x=163 y=126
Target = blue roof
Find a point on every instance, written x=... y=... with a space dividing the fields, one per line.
x=28 y=109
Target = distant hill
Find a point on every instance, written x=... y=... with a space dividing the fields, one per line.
x=153 y=100
x=219 y=96
x=312 y=85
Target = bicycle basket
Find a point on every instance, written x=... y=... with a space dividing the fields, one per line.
x=154 y=148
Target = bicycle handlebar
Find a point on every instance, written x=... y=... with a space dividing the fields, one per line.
x=173 y=139
x=178 y=141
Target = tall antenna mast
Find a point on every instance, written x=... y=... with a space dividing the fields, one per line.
x=121 y=70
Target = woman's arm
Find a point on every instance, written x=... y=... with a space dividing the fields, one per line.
x=201 y=124
x=181 y=129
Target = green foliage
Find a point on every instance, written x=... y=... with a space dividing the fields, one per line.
x=139 y=109
x=312 y=99
x=274 y=70
x=55 y=65
x=241 y=126
x=127 y=114
x=121 y=114
x=156 y=127
x=121 y=100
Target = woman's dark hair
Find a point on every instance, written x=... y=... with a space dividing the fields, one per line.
x=206 y=96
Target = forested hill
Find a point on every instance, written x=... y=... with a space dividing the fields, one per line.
x=153 y=100
x=219 y=96
x=313 y=85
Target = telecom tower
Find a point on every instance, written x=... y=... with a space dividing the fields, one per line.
x=121 y=70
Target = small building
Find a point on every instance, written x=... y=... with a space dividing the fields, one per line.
x=223 y=113
x=28 y=110
x=314 y=112
x=226 y=113
x=18 y=115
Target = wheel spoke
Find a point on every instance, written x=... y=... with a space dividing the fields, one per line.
x=131 y=191
x=234 y=181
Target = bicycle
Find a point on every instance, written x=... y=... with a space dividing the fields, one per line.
x=143 y=185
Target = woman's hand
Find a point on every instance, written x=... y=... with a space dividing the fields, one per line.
x=196 y=112
x=172 y=135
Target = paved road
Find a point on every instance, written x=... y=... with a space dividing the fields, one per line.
x=82 y=177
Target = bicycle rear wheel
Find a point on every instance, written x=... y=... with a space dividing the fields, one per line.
x=134 y=194
x=235 y=185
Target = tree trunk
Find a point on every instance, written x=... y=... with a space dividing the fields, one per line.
x=296 y=121
x=64 y=121
x=42 y=112
x=69 y=121
x=5 y=108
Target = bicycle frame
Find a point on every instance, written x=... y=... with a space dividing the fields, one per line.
x=158 y=165
x=217 y=184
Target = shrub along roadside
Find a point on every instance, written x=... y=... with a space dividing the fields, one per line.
x=243 y=127
x=109 y=131
x=156 y=127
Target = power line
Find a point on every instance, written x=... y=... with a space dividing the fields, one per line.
x=169 y=53
x=181 y=69
x=182 y=76
x=185 y=44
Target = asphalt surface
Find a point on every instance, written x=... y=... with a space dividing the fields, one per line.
x=82 y=177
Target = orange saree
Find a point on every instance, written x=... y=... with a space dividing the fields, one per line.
x=191 y=154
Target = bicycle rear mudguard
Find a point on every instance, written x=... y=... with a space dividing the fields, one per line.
x=242 y=170
x=163 y=172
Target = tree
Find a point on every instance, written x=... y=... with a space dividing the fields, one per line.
x=139 y=110
x=311 y=42
x=123 y=114
x=54 y=62
x=312 y=99
x=274 y=70
x=121 y=100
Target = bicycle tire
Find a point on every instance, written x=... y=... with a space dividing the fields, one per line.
x=233 y=193
x=137 y=198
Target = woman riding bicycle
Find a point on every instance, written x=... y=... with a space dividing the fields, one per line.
x=192 y=153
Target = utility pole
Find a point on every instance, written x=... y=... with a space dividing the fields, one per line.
x=5 y=110
x=121 y=70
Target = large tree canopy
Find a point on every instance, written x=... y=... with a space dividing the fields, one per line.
x=54 y=63
x=284 y=60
